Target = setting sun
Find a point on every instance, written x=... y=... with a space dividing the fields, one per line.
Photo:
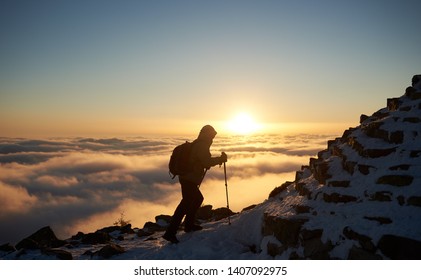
x=243 y=123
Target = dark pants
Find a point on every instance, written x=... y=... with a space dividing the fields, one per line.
x=190 y=203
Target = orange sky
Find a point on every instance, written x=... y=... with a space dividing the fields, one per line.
x=149 y=67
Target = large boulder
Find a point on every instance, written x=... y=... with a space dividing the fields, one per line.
x=110 y=250
x=98 y=237
x=285 y=230
x=43 y=238
x=395 y=180
x=400 y=248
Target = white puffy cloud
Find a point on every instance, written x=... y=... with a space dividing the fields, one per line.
x=66 y=183
x=15 y=199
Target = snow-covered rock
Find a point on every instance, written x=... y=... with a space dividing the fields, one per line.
x=416 y=82
x=359 y=199
x=362 y=196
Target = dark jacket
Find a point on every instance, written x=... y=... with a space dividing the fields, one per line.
x=201 y=159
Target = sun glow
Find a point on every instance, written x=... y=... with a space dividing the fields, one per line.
x=243 y=124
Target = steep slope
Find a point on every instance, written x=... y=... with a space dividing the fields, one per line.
x=359 y=199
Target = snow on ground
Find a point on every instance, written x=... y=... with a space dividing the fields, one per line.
x=244 y=239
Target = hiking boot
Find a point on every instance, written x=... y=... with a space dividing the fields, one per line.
x=171 y=238
x=193 y=228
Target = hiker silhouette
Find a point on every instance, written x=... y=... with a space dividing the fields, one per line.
x=201 y=160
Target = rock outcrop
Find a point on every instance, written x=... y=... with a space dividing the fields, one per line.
x=367 y=182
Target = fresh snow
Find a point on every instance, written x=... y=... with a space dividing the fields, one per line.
x=243 y=239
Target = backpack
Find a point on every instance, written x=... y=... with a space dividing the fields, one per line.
x=180 y=160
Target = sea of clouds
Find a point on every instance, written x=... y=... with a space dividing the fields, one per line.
x=82 y=184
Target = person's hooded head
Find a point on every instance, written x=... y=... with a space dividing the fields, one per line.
x=207 y=133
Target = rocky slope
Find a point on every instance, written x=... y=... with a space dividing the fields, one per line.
x=359 y=199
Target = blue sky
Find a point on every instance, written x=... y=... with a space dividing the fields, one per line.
x=130 y=67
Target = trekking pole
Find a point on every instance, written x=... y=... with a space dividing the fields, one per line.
x=226 y=191
x=203 y=177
